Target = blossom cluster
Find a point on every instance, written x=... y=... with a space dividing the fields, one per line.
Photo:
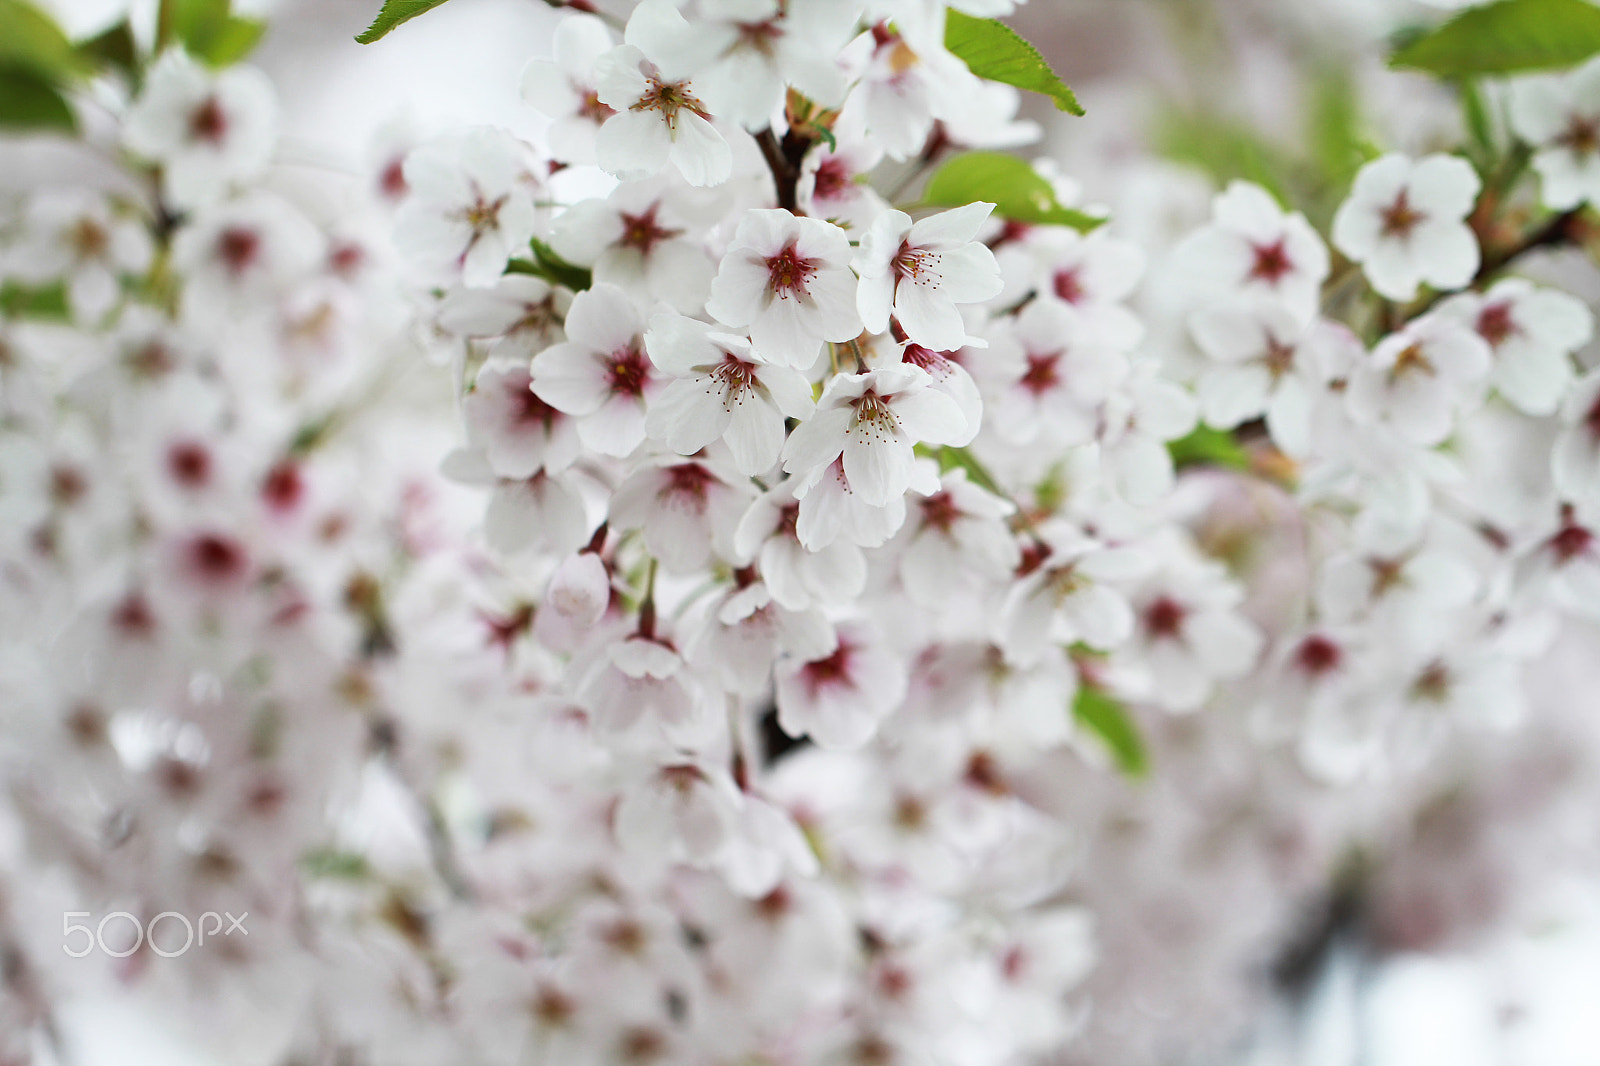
x=660 y=594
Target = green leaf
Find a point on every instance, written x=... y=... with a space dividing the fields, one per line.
x=1209 y=447
x=950 y=458
x=392 y=14
x=551 y=267
x=210 y=32
x=993 y=50
x=336 y=864
x=114 y=48
x=1015 y=188
x=1109 y=720
x=1505 y=37
x=21 y=301
x=30 y=102
x=29 y=40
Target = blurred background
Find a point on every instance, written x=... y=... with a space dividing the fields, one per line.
x=1463 y=928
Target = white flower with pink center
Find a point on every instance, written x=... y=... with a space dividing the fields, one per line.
x=73 y=235
x=840 y=699
x=1070 y=592
x=519 y=433
x=872 y=421
x=957 y=534
x=1403 y=222
x=1265 y=361
x=1419 y=379
x=920 y=271
x=1093 y=273
x=948 y=374
x=722 y=390
x=521 y=312
x=208 y=131
x=658 y=118
x=563 y=87
x=832 y=182
x=1559 y=115
x=637 y=239
x=1532 y=333
x=601 y=375
x=1253 y=247
x=787 y=280
x=469 y=208
x=682 y=812
x=743 y=632
x=1048 y=375
x=687 y=511
x=768 y=536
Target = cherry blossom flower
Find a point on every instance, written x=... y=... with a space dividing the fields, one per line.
x=956 y=534
x=1417 y=380
x=1403 y=223
x=208 y=132
x=74 y=236
x=798 y=576
x=1253 y=247
x=635 y=239
x=788 y=280
x=564 y=86
x=687 y=511
x=1048 y=375
x=1140 y=418
x=658 y=118
x=905 y=80
x=922 y=270
x=601 y=374
x=519 y=432
x=1093 y=273
x=1265 y=362
x=839 y=700
x=1575 y=462
x=1532 y=333
x=872 y=420
x=831 y=184
x=1558 y=116
x=744 y=633
x=522 y=313
x=722 y=391
x=469 y=209
x=1071 y=595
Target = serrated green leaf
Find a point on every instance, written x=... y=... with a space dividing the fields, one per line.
x=392 y=14
x=1109 y=720
x=1015 y=188
x=1506 y=37
x=993 y=50
x=30 y=40
x=1209 y=447
x=30 y=102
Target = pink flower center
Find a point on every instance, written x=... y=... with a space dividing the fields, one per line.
x=189 y=463
x=788 y=273
x=832 y=672
x=1582 y=135
x=1591 y=419
x=238 y=247
x=1041 y=375
x=920 y=265
x=1495 y=323
x=1570 y=543
x=1068 y=286
x=590 y=107
x=736 y=377
x=215 y=558
x=529 y=411
x=1400 y=218
x=627 y=372
x=1164 y=618
x=1279 y=356
x=832 y=179
x=687 y=483
x=1317 y=655
x=283 y=487
x=208 y=122
x=875 y=419
x=1271 y=262
x=940 y=512
x=642 y=231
